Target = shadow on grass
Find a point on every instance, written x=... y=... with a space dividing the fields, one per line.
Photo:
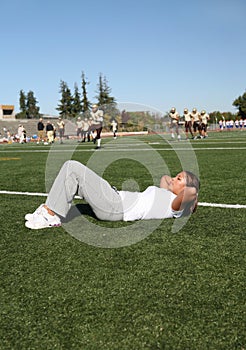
x=77 y=210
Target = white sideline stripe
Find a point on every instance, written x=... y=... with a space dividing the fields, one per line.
x=36 y=194
x=105 y=149
x=217 y=205
x=202 y=204
x=25 y=193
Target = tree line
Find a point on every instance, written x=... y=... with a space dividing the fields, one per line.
x=71 y=104
x=239 y=103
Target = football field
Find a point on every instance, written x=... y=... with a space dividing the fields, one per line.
x=117 y=286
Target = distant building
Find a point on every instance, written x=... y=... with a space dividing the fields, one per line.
x=7 y=112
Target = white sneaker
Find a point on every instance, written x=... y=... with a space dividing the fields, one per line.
x=37 y=211
x=42 y=219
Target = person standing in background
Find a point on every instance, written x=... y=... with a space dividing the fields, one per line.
x=61 y=129
x=79 y=128
x=174 y=124
x=188 y=123
x=114 y=128
x=85 y=130
x=50 y=132
x=22 y=134
x=41 y=131
x=204 y=123
x=195 y=122
x=96 y=124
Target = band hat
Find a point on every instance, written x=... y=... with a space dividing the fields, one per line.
x=95 y=106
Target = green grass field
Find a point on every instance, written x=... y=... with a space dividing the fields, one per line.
x=183 y=290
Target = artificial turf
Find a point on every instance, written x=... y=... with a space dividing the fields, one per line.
x=183 y=290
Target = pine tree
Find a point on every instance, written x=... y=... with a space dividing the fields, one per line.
x=61 y=106
x=100 y=96
x=32 y=110
x=106 y=102
x=69 y=103
x=77 y=107
x=104 y=91
x=85 y=102
x=107 y=91
x=240 y=103
x=22 y=103
x=65 y=107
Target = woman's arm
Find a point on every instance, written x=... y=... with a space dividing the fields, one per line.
x=188 y=196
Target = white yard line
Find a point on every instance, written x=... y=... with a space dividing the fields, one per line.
x=202 y=204
x=105 y=149
x=218 y=205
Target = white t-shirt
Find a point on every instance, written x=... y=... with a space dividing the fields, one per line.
x=153 y=203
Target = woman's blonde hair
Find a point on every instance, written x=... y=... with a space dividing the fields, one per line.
x=191 y=181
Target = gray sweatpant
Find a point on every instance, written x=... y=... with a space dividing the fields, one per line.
x=75 y=178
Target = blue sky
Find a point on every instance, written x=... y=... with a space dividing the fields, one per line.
x=154 y=53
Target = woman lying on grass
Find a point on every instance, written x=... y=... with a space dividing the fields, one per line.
x=174 y=198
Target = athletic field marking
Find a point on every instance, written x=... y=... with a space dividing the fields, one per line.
x=105 y=149
x=217 y=205
x=126 y=144
x=25 y=193
x=8 y=158
x=202 y=204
